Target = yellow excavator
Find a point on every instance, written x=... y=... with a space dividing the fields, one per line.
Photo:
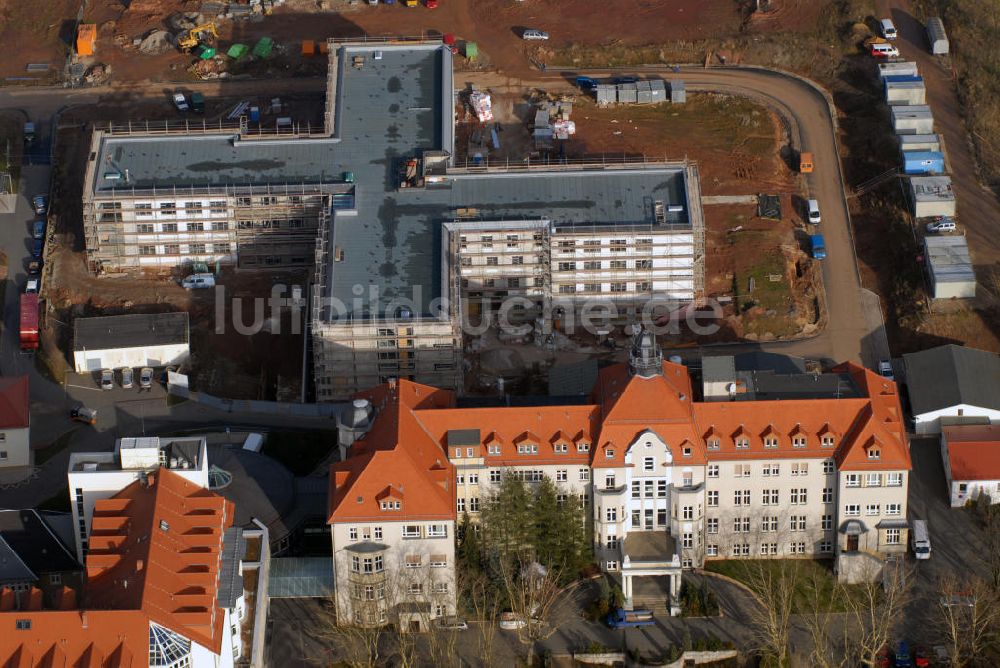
x=206 y=33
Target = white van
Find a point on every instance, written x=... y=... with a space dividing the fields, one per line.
x=888 y=29
x=884 y=50
x=920 y=540
x=813 y=207
x=198 y=281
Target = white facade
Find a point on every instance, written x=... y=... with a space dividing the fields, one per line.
x=85 y=361
x=930 y=423
x=15 y=447
x=931 y=195
x=100 y=475
x=401 y=572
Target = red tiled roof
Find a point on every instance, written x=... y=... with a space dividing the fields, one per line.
x=407 y=446
x=14 y=402
x=973 y=451
x=155 y=550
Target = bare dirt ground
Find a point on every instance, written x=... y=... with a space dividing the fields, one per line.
x=763 y=267
x=35 y=32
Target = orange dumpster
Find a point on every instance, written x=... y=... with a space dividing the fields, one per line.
x=86 y=39
x=323 y=48
x=308 y=47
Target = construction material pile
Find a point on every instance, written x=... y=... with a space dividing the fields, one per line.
x=482 y=105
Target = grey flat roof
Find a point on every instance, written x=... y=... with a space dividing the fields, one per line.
x=130 y=331
x=949 y=259
x=301 y=577
x=29 y=548
x=394 y=241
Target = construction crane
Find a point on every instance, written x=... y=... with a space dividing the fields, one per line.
x=189 y=39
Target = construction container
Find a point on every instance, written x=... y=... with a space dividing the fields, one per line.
x=643 y=93
x=678 y=94
x=254 y=114
x=606 y=94
x=892 y=69
x=919 y=142
x=308 y=48
x=86 y=39
x=206 y=52
x=658 y=91
x=627 y=93
x=912 y=119
x=923 y=162
x=937 y=37
x=931 y=196
x=908 y=92
x=471 y=50
x=237 y=51
x=949 y=267
x=262 y=49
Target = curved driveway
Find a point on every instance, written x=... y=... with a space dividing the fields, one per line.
x=813 y=128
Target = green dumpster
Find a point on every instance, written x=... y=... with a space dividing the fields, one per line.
x=237 y=51
x=263 y=47
x=348 y=177
x=471 y=50
x=206 y=52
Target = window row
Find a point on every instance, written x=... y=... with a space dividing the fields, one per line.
x=771 y=469
x=872 y=509
x=770 y=441
x=151 y=228
x=768 y=549
x=894 y=479
x=185 y=249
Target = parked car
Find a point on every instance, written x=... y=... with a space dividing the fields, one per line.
x=146 y=377
x=37 y=246
x=41 y=204
x=31 y=286
x=624 y=80
x=885 y=369
x=83 y=414
x=34 y=268
x=198 y=281
x=432 y=4
x=813 y=211
x=38 y=229
x=452 y=623
x=126 y=377
x=511 y=621
x=180 y=102
x=884 y=50
x=903 y=659
x=531 y=34
x=107 y=379
x=818 y=245
x=888 y=29
x=943 y=224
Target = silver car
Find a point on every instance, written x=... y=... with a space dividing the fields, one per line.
x=126 y=377
x=534 y=34
x=107 y=379
x=146 y=377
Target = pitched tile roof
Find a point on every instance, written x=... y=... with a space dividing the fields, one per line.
x=407 y=446
x=155 y=550
x=14 y=402
x=973 y=451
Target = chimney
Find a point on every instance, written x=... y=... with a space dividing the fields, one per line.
x=139 y=563
x=150 y=479
x=83 y=618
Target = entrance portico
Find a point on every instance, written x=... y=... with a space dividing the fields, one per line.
x=650 y=554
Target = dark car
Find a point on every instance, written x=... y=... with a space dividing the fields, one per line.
x=38 y=229
x=34 y=268
x=37 y=246
x=41 y=204
x=625 y=80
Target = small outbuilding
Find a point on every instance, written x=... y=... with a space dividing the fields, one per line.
x=949 y=267
x=971 y=457
x=678 y=93
x=932 y=196
x=937 y=37
x=897 y=69
x=134 y=340
x=905 y=90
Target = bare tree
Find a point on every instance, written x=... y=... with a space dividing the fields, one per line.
x=990 y=514
x=875 y=608
x=537 y=599
x=968 y=616
x=827 y=625
x=359 y=639
x=487 y=608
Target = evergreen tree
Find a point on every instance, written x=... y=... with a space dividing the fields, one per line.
x=506 y=518
x=468 y=554
x=548 y=526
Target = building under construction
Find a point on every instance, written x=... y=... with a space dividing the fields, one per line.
x=406 y=245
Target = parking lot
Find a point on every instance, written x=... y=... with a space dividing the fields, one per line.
x=119 y=408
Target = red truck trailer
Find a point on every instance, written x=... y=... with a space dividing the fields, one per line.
x=29 y=321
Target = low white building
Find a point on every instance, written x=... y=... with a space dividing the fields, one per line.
x=100 y=475
x=134 y=340
x=953 y=384
x=971 y=456
x=949 y=267
x=931 y=195
x=15 y=423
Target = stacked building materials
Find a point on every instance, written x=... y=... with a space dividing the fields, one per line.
x=482 y=104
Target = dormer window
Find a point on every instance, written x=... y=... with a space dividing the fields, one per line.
x=391 y=505
x=561 y=448
x=458 y=453
x=494 y=449
x=686 y=451
x=874 y=453
x=713 y=443
x=527 y=448
x=798 y=441
x=609 y=453
x=770 y=441
x=583 y=447
x=742 y=443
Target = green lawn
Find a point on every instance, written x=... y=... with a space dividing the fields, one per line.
x=300 y=451
x=812 y=571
